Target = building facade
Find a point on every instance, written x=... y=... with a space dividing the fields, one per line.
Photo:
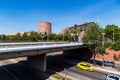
x=44 y=27
x=64 y=31
x=80 y=29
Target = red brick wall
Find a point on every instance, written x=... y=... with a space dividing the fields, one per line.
x=110 y=54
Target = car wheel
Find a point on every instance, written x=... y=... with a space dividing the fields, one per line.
x=89 y=70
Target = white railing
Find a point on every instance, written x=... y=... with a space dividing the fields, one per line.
x=28 y=48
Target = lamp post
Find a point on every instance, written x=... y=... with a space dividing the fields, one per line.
x=113 y=34
x=103 y=39
x=103 y=46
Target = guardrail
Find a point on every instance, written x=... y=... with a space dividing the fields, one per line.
x=7 y=45
x=28 y=48
x=30 y=43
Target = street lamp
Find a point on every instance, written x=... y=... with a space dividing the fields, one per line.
x=113 y=33
x=103 y=46
x=103 y=39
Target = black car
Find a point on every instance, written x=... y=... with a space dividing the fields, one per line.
x=109 y=63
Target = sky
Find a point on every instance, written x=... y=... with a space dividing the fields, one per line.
x=24 y=15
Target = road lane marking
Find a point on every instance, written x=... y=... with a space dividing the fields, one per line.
x=69 y=73
x=15 y=78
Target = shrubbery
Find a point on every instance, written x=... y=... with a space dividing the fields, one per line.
x=116 y=46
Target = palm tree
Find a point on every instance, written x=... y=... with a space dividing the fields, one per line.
x=74 y=31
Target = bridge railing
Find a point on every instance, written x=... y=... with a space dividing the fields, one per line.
x=40 y=46
x=22 y=44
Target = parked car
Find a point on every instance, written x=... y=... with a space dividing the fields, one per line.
x=85 y=66
x=113 y=77
x=109 y=63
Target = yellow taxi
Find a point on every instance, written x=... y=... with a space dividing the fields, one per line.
x=85 y=66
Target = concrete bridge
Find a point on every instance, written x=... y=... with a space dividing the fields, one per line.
x=36 y=54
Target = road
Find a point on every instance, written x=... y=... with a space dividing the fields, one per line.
x=59 y=64
x=14 y=70
x=11 y=70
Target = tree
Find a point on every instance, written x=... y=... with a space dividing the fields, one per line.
x=101 y=51
x=116 y=46
x=92 y=38
x=25 y=37
x=52 y=36
x=74 y=31
x=67 y=35
x=18 y=37
x=3 y=37
x=60 y=37
x=112 y=32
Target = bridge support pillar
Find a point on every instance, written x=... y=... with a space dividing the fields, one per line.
x=38 y=62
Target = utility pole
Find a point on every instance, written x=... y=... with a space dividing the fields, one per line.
x=103 y=39
x=103 y=46
x=113 y=34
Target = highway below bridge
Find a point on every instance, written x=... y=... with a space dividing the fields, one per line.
x=12 y=69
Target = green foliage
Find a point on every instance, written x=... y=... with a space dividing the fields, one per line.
x=115 y=57
x=67 y=35
x=92 y=37
x=74 y=30
x=25 y=37
x=112 y=31
x=107 y=44
x=35 y=37
x=116 y=46
x=101 y=50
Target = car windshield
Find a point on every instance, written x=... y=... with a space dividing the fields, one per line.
x=88 y=65
x=113 y=78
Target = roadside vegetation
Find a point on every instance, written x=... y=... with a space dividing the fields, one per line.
x=60 y=77
x=98 y=39
x=34 y=37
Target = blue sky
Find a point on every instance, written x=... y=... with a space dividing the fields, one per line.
x=24 y=15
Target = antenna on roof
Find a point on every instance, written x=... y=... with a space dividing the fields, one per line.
x=97 y=20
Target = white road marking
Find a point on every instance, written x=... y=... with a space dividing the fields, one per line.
x=84 y=78
x=15 y=78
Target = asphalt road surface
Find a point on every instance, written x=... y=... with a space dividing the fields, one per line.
x=68 y=67
x=14 y=70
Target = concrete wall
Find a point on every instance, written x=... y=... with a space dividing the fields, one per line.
x=81 y=53
x=38 y=62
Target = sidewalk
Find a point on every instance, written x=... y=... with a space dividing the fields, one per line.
x=107 y=69
x=118 y=62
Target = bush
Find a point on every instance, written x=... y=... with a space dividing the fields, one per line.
x=107 y=44
x=115 y=57
x=116 y=46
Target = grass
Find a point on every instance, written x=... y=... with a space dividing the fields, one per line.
x=59 y=77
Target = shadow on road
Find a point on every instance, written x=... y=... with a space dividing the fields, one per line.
x=55 y=63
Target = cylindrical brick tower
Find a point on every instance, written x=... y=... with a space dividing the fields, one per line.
x=44 y=27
